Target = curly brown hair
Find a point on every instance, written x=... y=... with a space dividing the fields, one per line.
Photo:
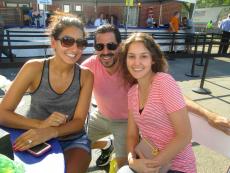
x=158 y=57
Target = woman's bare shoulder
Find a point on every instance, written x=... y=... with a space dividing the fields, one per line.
x=34 y=66
x=86 y=74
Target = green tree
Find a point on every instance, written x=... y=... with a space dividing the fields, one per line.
x=212 y=3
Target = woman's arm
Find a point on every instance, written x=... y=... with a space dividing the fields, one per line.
x=183 y=135
x=23 y=81
x=132 y=137
x=82 y=108
x=140 y=164
x=40 y=135
x=217 y=121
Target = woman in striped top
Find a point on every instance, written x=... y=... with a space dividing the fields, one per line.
x=157 y=110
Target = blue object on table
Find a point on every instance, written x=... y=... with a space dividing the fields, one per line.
x=52 y=161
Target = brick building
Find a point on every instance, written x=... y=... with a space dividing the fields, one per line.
x=90 y=9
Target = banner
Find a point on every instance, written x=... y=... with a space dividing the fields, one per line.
x=129 y=2
x=45 y=2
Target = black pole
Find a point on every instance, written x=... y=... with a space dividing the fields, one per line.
x=191 y=74
x=9 y=46
x=172 y=46
x=203 y=51
x=201 y=89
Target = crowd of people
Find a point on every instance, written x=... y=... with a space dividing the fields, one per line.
x=105 y=19
x=31 y=17
x=126 y=78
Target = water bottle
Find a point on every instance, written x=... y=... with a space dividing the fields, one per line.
x=113 y=166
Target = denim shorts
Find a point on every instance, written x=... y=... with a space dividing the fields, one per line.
x=82 y=142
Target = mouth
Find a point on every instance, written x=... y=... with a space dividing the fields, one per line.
x=107 y=56
x=71 y=55
x=137 y=69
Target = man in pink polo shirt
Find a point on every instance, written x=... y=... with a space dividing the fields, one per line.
x=111 y=97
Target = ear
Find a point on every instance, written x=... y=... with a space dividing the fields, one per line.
x=53 y=43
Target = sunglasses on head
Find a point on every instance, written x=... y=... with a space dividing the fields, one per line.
x=110 y=46
x=67 y=42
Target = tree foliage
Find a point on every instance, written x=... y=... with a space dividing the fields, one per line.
x=212 y=3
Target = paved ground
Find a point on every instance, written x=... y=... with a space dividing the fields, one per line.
x=217 y=80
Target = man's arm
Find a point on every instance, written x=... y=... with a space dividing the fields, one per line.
x=215 y=120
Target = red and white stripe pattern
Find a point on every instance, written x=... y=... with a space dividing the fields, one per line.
x=154 y=124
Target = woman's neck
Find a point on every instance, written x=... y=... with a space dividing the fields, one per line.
x=59 y=66
x=144 y=86
x=145 y=82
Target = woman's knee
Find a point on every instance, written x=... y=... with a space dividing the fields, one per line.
x=77 y=160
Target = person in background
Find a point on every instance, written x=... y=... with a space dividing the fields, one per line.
x=225 y=27
x=188 y=26
x=149 y=21
x=174 y=28
x=100 y=20
x=110 y=93
x=209 y=25
x=90 y=22
x=113 y=20
x=36 y=16
x=48 y=17
x=157 y=110
x=30 y=14
x=60 y=96
x=174 y=22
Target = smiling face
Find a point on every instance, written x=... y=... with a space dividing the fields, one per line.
x=139 y=61
x=107 y=56
x=72 y=54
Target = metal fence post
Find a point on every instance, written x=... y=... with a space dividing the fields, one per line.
x=201 y=89
x=191 y=74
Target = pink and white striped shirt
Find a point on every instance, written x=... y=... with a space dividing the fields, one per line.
x=154 y=124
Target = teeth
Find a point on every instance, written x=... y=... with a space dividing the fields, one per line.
x=107 y=57
x=137 y=69
x=71 y=55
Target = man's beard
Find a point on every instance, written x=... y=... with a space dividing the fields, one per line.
x=108 y=64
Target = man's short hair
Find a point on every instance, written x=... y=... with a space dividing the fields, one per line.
x=176 y=13
x=108 y=28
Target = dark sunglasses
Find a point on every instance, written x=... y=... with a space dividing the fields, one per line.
x=67 y=42
x=110 y=46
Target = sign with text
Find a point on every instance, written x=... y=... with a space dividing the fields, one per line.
x=45 y=2
x=129 y=2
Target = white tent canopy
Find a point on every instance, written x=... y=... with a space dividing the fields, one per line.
x=189 y=1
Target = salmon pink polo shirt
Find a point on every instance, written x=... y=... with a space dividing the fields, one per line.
x=109 y=91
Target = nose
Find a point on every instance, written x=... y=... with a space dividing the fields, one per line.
x=75 y=47
x=105 y=50
x=136 y=61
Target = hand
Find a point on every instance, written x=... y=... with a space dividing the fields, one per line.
x=55 y=119
x=144 y=166
x=221 y=123
x=33 y=137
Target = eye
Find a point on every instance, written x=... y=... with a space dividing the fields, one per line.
x=144 y=56
x=130 y=56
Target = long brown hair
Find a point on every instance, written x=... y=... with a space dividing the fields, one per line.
x=157 y=55
x=60 y=21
